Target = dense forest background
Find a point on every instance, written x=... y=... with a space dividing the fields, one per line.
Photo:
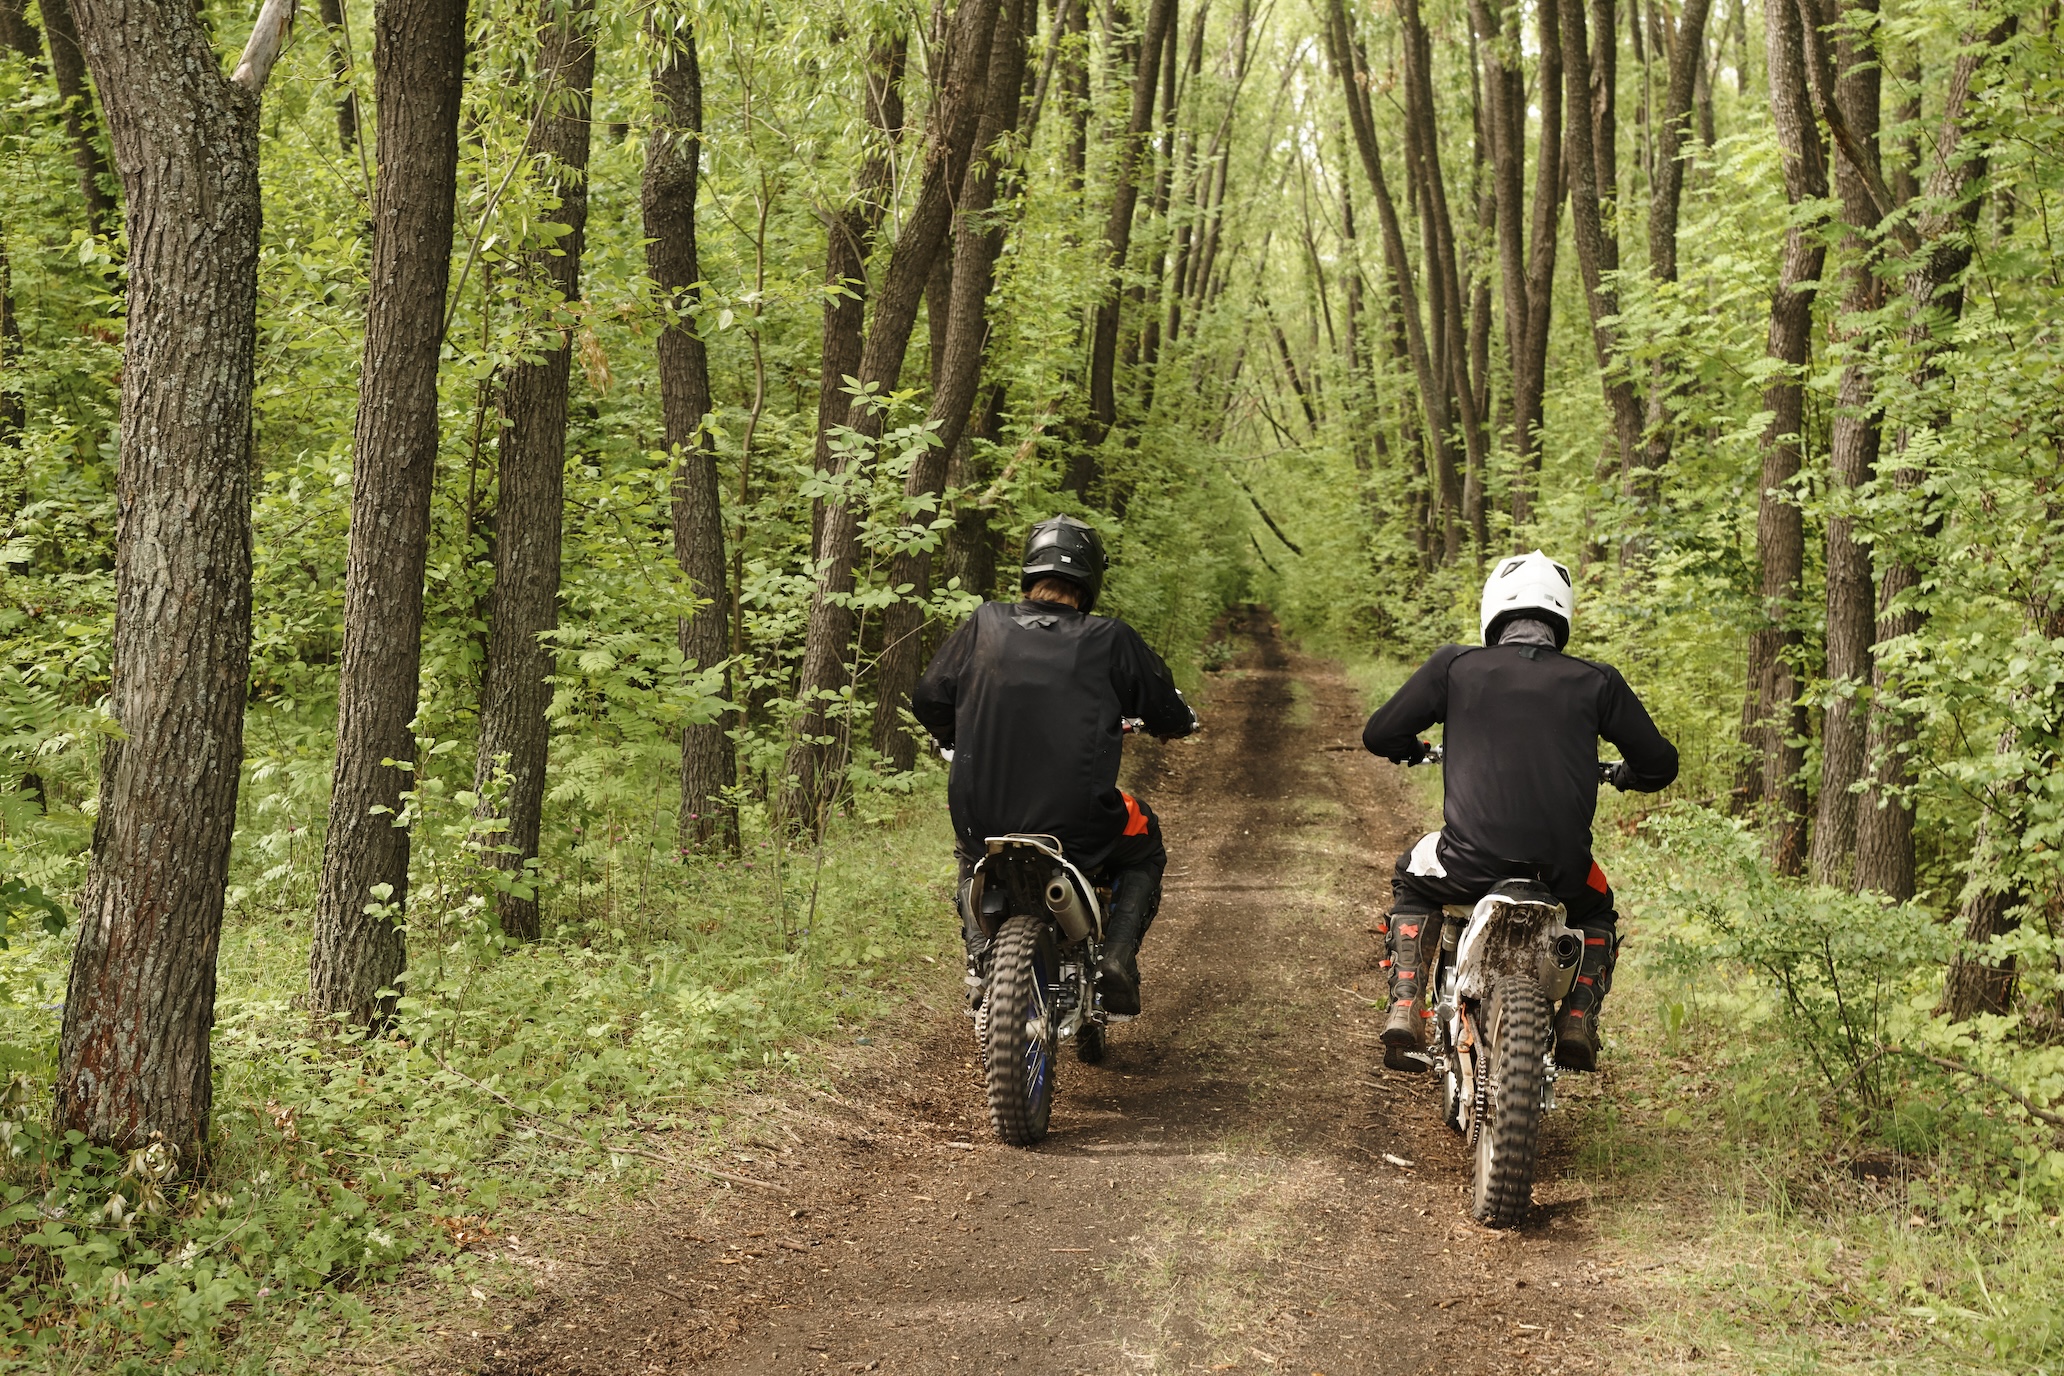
x=477 y=498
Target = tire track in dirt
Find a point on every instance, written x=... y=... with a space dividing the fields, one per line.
x=1214 y=1197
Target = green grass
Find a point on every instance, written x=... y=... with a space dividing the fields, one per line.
x=339 y=1164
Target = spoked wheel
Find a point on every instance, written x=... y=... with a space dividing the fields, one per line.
x=1090 y=1044
x=1514 y=1060
x=1021 y=1032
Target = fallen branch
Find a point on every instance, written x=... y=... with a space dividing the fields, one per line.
x=2055 y=1120
x=613 y=1147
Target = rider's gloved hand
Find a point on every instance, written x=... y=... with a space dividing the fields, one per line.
x=1619 y=774
x=1420 y=750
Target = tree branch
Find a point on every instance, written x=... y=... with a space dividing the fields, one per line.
x=268 y=39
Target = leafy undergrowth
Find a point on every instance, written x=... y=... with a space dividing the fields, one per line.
x=1777 y=1159
x=511 y=1073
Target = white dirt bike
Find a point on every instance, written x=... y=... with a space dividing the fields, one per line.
x=1502 y=966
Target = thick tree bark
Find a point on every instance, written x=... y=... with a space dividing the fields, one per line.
x=1353 y=69
x=1666 y=193
x=1935 y=302
x=68 y=66
x=1103 y=394
x=849 y=242
x=523 y=603
x=340 y=72
x=816 y=757
x=133 y=1056
x=1591 y=140
x=419 y=54
x=977 y=239
x=673 y=158
x=1775 y=733
x=1852 y=463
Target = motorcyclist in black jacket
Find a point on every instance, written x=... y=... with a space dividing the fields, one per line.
x=1520 y=776
x=1031 y=699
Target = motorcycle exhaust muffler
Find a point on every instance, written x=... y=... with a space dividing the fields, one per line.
x=1066 y=905
x=1569 y=949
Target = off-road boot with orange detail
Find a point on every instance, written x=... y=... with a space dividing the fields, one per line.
x=1576 y=1026
x=1404 y=1035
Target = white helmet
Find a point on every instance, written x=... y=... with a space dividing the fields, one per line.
x=1528 y=584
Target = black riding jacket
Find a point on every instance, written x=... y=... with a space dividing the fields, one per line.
x=1521 y=765
x=1029 y=696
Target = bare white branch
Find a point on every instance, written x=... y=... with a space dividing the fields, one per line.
x=268 y=38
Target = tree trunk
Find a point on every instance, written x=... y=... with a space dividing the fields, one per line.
x=1591 y=134
x=419 y=60
x=1776 y=734
x=849 y=241
x=1852 y=463
x=1935 y=302
x=340 y=72
x=68 y=66
x=673 y=158
x=1446 y=305
x=977 y=239
x=1353 y=69
x=816 y=757
x=17 y=34
x=1666 y=191
x=1525 y=281
x=970 y=551
x=1103 y=395
x=13 y=405
x=133 y=1056
x=523 y=604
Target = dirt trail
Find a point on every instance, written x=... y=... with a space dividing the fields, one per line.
x=1217 y=1196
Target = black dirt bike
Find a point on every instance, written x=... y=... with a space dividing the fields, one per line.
x=1031 y=976
x=1504 y=963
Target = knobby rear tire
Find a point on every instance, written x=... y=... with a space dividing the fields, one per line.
x=1518 y=1028
x=1020 y=1096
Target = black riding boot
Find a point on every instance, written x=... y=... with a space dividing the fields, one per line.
x=1576 y=1026
x=1134 y=896
x=1404 y=1033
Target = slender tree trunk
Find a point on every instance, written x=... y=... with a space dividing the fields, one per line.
x=816 y=758
x=1103 y=395
x=976 y=243
x=68 y=66
x=1075 y=85
x=1935 y=302
x=1852 y=463
x=970 y=550
x=340 y=72
x=1591 y=137
x=1352 y=68
x=1666 y=191
x=1775 y=738
x=419 y=60
x=133 y=1056
x=673 y=157
x=849 y=242
x=523 y=604
x=1526 y=281
x=13 y=404
x=1446 y=304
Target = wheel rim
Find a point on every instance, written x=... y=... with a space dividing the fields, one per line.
x=1038 y=1045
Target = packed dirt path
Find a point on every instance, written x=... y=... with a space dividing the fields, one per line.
x=1239 y=1187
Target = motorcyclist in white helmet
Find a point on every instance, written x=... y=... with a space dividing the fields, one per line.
x=1520 y=779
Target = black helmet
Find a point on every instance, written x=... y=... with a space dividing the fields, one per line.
x=1065 y=548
